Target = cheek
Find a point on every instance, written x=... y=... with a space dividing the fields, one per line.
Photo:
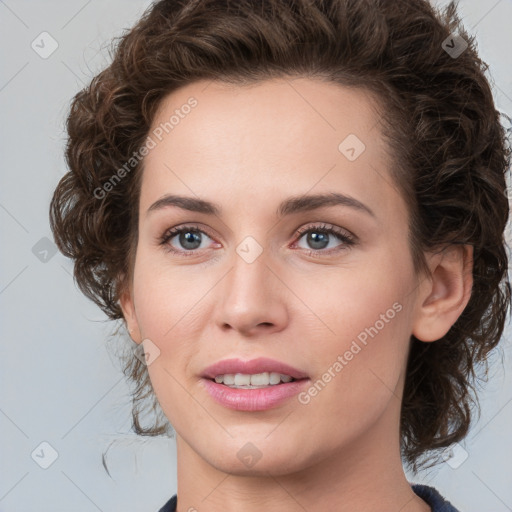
x=171 y=314
x=346 y=301
x=165 y=300
x=363 y=324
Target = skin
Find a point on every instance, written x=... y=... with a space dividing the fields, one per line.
x=247 y=149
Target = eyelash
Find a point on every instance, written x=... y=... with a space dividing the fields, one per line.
x=348 y=240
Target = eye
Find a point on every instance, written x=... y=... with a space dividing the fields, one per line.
x=319 y=237
x=190 y=238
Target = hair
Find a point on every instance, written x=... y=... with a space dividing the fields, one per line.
x=443 y=132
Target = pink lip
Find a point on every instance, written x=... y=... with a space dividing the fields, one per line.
x=252 y=399
x=259 y=365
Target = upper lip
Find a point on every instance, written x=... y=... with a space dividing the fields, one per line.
x=254 y=366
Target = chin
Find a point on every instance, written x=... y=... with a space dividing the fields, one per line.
x=248 y=460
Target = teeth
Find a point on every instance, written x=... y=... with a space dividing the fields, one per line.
x=242 y=379
x=275 y=378
x=230 y=379
x=253 y=381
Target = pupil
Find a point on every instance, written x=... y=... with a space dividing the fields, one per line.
x=189 y=237
x=316 y=237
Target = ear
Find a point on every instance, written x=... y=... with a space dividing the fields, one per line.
x=128 y=307
x=443 y=295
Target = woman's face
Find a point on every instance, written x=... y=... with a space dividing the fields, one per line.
x=337 y=306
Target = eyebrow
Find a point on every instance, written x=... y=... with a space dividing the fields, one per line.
x=289 y=206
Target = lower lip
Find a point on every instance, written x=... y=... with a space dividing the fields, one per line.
x=253 y=399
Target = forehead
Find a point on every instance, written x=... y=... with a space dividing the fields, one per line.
x=268 y=140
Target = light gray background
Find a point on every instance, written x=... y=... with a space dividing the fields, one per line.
x=60 y=383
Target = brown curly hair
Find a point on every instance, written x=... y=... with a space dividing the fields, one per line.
x=438 y=117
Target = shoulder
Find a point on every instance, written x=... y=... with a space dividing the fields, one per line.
x=432 y=496
x=170 y=506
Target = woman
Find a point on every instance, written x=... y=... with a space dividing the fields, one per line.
x=297 y=209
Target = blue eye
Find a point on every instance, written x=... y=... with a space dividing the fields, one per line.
x=190 y=238
x=318 y=237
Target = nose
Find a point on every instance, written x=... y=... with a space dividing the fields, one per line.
x=252 y=298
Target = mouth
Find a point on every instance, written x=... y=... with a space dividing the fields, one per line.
x=254 y=385
x=253 y=381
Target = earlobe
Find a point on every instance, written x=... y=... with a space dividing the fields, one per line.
x=128 y=309
x=444 y=295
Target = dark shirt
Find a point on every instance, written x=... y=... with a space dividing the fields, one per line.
x=432 y=496
x=426 y=493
